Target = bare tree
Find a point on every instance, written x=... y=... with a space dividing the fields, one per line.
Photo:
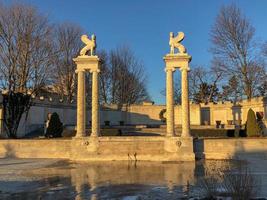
x=262 y=88
x=67 y=45
x=234 y=49
x=128 y=80
x=105 y=77
x=203 y=84
x=264 y=49
x=88 y=88
x=25 y=59
x=122 y=78
x=232 y=90
x=176 y=92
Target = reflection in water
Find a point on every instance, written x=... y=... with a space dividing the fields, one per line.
x=114 y=179
x=107 y=180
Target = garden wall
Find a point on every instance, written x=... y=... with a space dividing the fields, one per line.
x=146 y=114
x=234 y=112
x=231 y=148
x=36 y=148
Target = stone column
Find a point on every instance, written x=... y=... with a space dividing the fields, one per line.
x=81 y=104
x=95 y=104
x=169 y=102
x=185 y=103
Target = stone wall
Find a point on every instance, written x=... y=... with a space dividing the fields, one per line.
x=130 y=115
x=22 y=148
x=101 y=149
x=146 y=114
x=229 y=111
x=38 y=115
x=231 y=148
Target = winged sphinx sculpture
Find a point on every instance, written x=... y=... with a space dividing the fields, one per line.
x=175 y=43
x=90 y=45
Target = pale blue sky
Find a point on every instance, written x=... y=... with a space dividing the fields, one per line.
x=144 y=25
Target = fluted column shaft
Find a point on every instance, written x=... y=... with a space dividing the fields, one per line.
x=169 y=102
x=81 y=104
x=95 y=104
x=185 y=103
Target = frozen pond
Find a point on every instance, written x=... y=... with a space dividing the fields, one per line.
x=59 y=179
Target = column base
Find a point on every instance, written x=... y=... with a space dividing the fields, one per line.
x=78 y=137
x=80 y=134
x=93 y=135
x=169 y=135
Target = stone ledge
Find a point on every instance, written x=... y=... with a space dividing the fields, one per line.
x=102 y=149
x=231 y=148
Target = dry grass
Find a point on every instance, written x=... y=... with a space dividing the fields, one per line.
x=228 y=180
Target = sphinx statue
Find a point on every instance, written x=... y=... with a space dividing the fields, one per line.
x=175 y=43
x=90 y=45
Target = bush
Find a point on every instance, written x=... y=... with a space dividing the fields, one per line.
x=252 y=127
x=231 y=181
x=55 y=126
x=241 y=183
x=161 y=115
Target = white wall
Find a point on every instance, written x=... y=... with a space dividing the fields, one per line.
x=139 y=114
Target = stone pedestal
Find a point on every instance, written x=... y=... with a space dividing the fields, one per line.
x=83 y=148
x=91 y=64
x=181 y=61
x=179 y=148
x=150 y=148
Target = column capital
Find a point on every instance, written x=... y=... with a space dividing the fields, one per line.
x=94 y=70
x=79 y=70
x=169 y=69
x=187 y=68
